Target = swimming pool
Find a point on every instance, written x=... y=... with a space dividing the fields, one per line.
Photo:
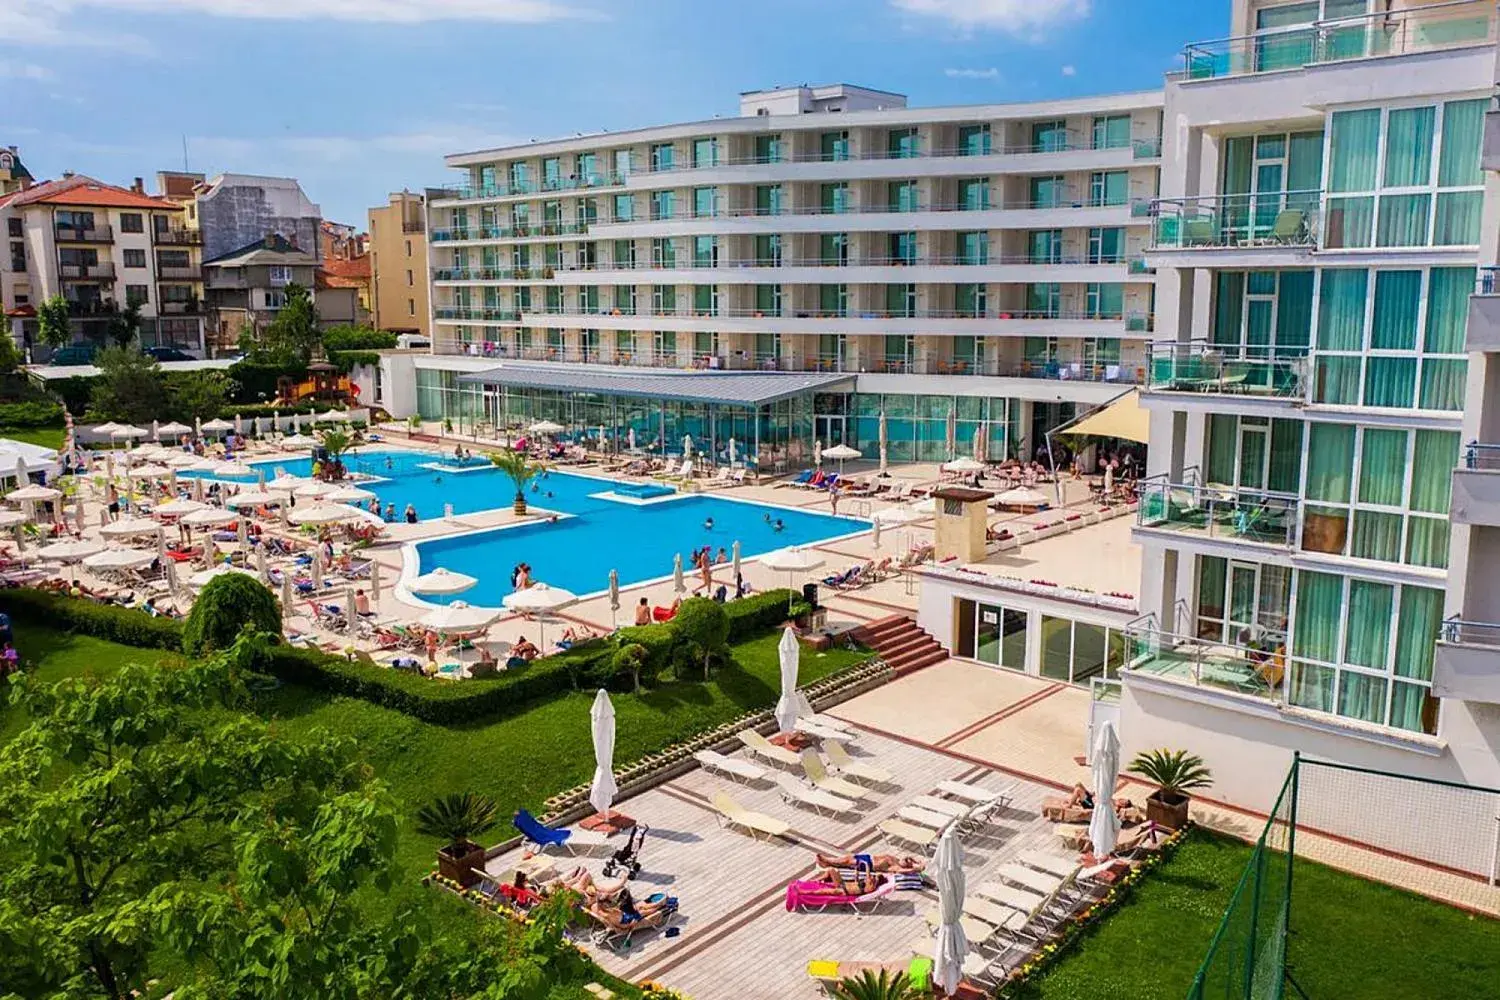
x=576 y=552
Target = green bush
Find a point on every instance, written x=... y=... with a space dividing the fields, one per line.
x=357 y=338
x=74 y=391
x=347 y=361
x=257 y=380
x=758 y=613
x=702 y=631
x=35 y=413
x=224 y=608
x=657 y=640
x=127 y=626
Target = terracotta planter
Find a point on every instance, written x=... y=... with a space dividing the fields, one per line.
x=519 y=506
x=1168 y=811
x=460 y=867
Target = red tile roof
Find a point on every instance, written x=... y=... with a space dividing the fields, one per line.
x=87 y=192
x=359 y=267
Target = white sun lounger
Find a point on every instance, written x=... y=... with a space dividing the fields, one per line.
x=794 y=792
x=812 y=766
x=731 y=813
x=1032 y=879
x=848 y=766
x=730 y=767
x=829 y=722
x=910 y=833
x=819 y=730
x=924 y=817
x=994 y=913
x=765 y=749
x=1013 y=896
x=943 y=807
x=972 y=794
x=1052 y=864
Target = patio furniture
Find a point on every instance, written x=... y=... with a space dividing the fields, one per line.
x=765 y=749
x=731 y=813
x=809 y=895
x=616 y=936
x=812 y=766
x=819 y=730
x=730 y=767
x=794 y=792
x=545 y=836
x=1036 y=881
x=924 y=817
x=1052 y=864
x=1009 y=895
x=847 y=766
x=943 y=807
x=918 y=836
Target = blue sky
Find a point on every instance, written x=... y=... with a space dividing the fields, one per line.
x=360 y=97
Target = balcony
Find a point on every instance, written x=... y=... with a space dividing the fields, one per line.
x=521 y=232
x=66 y=233
x=181 y=307
x=1489 y=156
x=1466 y=663
x=177 y=237
x=1476 y=486
x=1483 y=332
x=1237 y=230
x=1218 y=517
x=1255 y=378
x=87 y=272
x=1254 y=668
x=477 y=314
x=189 y=273
x=90 y=308
x=1420 y=28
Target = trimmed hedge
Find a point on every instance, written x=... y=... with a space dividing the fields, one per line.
x=35 y=413
x=589 y=664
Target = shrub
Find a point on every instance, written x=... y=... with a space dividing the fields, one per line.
x=35 y=413
x=357 y=338
x=702 y=628
x=758 y=613
x=628 y=661
x=126 y=626
x=257 y=380
x=224 y=608
x=656 y=640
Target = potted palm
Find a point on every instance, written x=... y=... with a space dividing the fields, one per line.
x=521 y=471
x=881 y=985
x=456 y=818
x=1175 y=773
x=336 y=444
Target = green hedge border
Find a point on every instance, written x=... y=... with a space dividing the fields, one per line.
x=589 y=664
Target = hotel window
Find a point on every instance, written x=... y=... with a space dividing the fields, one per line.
x=1254 y=453
x=968 y=352
x=135 y=258
x=661 y=156
x=663 y=204
x=768 y=300
x=1044 y=300
x=663 y=252
x=552 y=255
x=901 y=196
x=901 y=143
x=1392 y=339
x=520 y=178
x=588 y=211
x=901 y=300
x=551 y=173
x=1049 y=137
x=833 y=300
x=974 y=194
x=279 y=274
x=486 y=182
x=588 y=299
x=1101 y=352
x=899 y=350
x=706 y=152
x=1106 y=245
x=1265 y=175
x=1262 y=314
x=768 y=199
x=624 y=253
x=409 y=278
x=834 y=145
x=137 y=294
x=1401 y=177
x=767 y=347
x=1039 y=350
x=276 y=298
x=1044 y=246
x=973 y=140
x=14 y=226
x=554 y=299
x=1048 y=192
x=411 y=310
x=768 y=149
x=705 y=300
x=833 y=198
x=1109 y=187
x=552 y=214
x=131 y=222
x=705 y=202
x=902 y=248
x=705 y=251
x=1363 y=649
x=556 y=342
x=833 y=249
x=998 y=635
x=664 y=300
x=408 y=248
x=624 y=161
x=588 y=256
x=588 y=169
x=971 y=299
x=974 y=248
x=705 y=344
x=768 y=250
x=520 y=218
x=664 y=343
x=1111 y=131
x=625 y=300
x=1105 y=300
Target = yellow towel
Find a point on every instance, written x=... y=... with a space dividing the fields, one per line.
x=822 y=968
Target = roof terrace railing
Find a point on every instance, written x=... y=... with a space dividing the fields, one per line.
x=1421 y=28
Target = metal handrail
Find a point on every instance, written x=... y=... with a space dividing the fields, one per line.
x=1482 y=455
x=1456 y=629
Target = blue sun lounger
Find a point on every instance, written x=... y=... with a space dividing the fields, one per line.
x=545 y=836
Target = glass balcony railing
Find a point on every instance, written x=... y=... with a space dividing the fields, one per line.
x=1254 y=665
x=1199 y=366
x=1223 y=513
x=1418 y=28
x=1267 y=219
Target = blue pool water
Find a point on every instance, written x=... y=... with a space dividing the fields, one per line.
x=575 y=553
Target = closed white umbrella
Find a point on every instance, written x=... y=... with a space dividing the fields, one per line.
x=687 y=446
x=788 y=652
x=1109 y=478
x=602 y=726
x=198 y=492
x=239 y=425
x=350 y=615
x=540 y=600
x=951 y=944
x=818 y=452
x=261 y=569
x=731 y=451
x=614 y=594
x=441 y=581
x=70 y=549
x=677 y=583
x=459 y=616
x=979 y=444
x=630 y=439
x=197 y=427
x=242 y=529
x=875 y=533
x=120 y=559
x=950 y=433
x=209 y=517
x=884 y=443
x=317 y=571
x=1104 y=826
x=734 y=558
x=792 y=561
x=288 y=598
x=130 y=527
x=374 y=580
x=323 y=513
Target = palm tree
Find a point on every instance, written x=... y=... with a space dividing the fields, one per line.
x=884 y=985
x=521 y=471
x=456 y=818
x=336 y=443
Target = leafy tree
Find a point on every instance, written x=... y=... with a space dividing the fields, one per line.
x=139 y=818
x=521 y=471
x=201 y=395
x=703 y=627
x=125 y=324
x=630 y=659
x=293 y=334
x=224 y=608
x=10 y=355
x=52 y=322
x=357 y=338
x=129 y=386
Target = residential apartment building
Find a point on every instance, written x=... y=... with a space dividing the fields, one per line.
x=13 y=177
x=398 y=265
x=827 y=257
x=236 y=210
x=101 y=247
x=247 y=287
x=1311 y=390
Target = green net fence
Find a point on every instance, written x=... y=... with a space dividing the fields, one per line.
x=1246 y=959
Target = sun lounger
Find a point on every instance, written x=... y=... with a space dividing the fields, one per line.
x=847 y=766
x=1052 y=864
x=802 y=478
x=812 y=766
x=978 y=933
x=611 y=934
x=545 y=836
x=919 y=836
x=829 y=722
x=731 y=813
x=794 y=792
x=971 y=794
x=765 y=749
x=809 y=895
x=1013 y=896
x=924 y=817
x=731 y=767
x=943 y=807
x=1032 y=879
x=822 y=732
x=993 y=913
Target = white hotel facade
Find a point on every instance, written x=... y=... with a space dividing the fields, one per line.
x=1281 y=249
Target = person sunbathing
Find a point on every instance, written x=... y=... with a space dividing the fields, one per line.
x=895 y=864
x=1078 y=807
x=855 y=881
x=626 y=911
x=524 y=650
x=581 y=881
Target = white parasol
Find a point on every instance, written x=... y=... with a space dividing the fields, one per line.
x=323 y=513
x=120 y=559
x=459 y=616
x=441 y=581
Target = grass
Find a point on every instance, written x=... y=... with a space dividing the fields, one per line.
x=1352 y=939
x=46 y=437
x=519 y=761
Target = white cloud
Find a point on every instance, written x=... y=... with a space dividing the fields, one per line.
x=1070 y=70
x=972 y=74
x=389 y=11
x=1027 y=18
x=14 y=70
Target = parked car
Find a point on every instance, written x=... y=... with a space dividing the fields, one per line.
x=167 y=354
x=73 y=354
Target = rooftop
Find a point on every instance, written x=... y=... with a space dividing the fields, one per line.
x=732 y=388
x=85 y=191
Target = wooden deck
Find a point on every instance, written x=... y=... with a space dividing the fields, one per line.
x=736 y=938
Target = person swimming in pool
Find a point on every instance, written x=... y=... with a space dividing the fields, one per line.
x=708 y=524
x=389 y=463
x=777 y=525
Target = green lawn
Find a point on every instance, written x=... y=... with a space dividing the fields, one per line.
x=1352 y=939
x=520 y=761
x=46 y=437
